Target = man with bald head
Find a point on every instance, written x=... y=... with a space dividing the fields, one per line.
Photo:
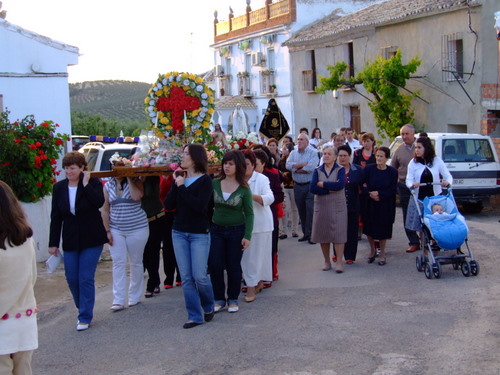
x=402 y=156
x=302 y=163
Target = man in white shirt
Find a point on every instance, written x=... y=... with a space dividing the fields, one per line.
x=351 y=141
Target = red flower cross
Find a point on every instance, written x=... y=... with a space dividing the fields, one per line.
x=177 y=103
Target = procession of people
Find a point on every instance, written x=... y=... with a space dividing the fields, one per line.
x=222 y=232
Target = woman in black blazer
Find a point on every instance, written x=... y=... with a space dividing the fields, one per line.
x=354 y=179
x=75 y=202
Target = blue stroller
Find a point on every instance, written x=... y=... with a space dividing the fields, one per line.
x=443 y=236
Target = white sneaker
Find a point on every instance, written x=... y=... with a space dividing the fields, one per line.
x=117 y=307
x=82 y=326
x=233 y=308
x=218 y=308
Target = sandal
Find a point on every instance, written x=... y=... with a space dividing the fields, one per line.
x=382 y=262
x=148 y=294
x=156 y=290
x=371 y=259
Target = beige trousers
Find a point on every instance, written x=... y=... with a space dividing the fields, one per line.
x=16 y=363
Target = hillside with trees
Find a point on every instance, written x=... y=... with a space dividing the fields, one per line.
x=106 y=107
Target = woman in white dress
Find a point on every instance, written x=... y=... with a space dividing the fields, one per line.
x=256 y=262
x=18 y=311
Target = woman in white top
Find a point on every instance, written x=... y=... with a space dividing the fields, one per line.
x=424 y=168
x=316 y=139
x=18 y=327
x=256 y=262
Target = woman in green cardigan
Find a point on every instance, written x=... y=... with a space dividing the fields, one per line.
x=231 y=231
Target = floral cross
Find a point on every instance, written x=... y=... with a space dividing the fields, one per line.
x=177 y=103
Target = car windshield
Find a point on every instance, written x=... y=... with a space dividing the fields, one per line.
x=467 y=150
x=106 y=165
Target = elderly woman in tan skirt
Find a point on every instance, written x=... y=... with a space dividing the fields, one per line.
x=330 y=208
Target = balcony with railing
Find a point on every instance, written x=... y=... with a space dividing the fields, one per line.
x=244 y=84
x=225 y=85
x=267 y=83
x=273 y=14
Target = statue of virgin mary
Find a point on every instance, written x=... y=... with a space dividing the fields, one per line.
x=240 y=123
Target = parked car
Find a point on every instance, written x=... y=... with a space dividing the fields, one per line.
x=97 y=154
x=472 y=161
x=77 y=141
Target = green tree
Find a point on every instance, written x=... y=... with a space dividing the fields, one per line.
x=88 y=124
x=386 y=80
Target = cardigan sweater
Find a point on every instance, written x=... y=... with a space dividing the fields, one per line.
x=236 y=210
x=438 y=169
x=84 y=229
x=191 y=205
x=18 y=327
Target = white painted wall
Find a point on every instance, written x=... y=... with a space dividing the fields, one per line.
x=33 y=81
x=45 y=93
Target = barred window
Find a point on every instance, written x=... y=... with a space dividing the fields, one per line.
x=452 y=50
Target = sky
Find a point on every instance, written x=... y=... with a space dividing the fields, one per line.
x=125 y=39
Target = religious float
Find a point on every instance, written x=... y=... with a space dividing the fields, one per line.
x=179 y=107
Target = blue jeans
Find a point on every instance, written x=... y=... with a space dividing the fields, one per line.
x=80 y=267
x=225 y=253
x=191 y=253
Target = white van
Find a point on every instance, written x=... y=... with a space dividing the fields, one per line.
x=472 y=161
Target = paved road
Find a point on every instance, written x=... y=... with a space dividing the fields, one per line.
x=369 y=320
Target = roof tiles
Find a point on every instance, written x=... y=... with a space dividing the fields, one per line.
x=389 y=11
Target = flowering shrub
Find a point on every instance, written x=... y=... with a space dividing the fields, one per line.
x=28 y=156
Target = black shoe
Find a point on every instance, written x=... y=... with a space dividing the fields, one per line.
x=188 y=325
x=302 y=239
x=311 y=243
x=283 y=236
x=209 y=316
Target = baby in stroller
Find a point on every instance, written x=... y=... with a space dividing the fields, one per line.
x=444 y=230
x=446 y=225
x=437 y=209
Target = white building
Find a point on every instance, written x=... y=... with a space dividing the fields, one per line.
x=34 y=81
x=252 y=66
x=34 y=75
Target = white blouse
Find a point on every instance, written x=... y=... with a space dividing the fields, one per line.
x=438 y=168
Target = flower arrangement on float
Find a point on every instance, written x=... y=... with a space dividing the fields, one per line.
x=240 y=141
x=180 y=104
x=179 y=107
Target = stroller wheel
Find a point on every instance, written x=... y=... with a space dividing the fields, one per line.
x=428 y=271
x=474 y=268
x=466 y=268
x=436 y=270
x=419 y=263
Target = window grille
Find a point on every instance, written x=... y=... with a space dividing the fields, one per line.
x=452 y=59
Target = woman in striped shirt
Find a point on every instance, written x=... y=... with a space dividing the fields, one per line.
x=127 y=227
